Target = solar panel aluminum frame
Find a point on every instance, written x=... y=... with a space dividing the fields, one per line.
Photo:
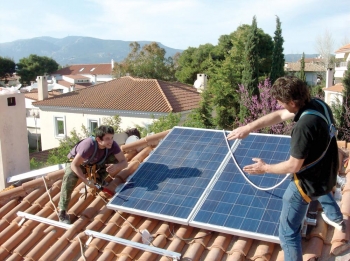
x=189 y=220
x=236 y=232
x=168 y=218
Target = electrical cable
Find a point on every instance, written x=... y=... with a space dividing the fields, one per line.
x=245 y=177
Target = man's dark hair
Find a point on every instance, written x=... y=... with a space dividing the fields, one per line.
x=103 y=130
x=291 y=88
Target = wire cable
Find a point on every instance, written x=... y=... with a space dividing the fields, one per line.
x=245 y=177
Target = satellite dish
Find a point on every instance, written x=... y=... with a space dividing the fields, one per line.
x=197 y=84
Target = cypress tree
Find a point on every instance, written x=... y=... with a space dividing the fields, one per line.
x=277 y=68
x=250 y=74
x=302 y=75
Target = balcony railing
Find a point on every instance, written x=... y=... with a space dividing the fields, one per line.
x=342 y=64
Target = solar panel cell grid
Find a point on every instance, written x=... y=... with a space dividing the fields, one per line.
x=174 y=177
x=191 y=179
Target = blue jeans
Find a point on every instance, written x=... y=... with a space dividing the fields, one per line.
x=293 y=212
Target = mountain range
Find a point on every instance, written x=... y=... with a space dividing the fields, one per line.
x=85 y=50
x=73 y=49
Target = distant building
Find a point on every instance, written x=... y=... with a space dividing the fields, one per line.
x=134 y=100
x=334 y=86
x=314 y=70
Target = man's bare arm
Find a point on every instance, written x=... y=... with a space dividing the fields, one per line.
x=265 y=121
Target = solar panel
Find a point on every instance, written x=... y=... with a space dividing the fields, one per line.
x=170 y=183
x=233 y=205
x=191 y=179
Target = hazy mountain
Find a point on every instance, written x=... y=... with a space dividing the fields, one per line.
x=292 y=58
x=73 y=49
x=84 y=50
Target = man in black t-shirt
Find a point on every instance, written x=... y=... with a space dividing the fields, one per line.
x=309 y=139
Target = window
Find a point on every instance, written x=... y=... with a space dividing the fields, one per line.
x=60 y=126
x=92 y=125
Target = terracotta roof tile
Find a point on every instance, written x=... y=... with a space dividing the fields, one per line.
x=335 y=88
x=132 y=94
x=102 y=68
x=309 y=67
x=344 y=49
x=38 y=241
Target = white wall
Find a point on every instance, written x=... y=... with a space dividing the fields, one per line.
x=76 y=120
x=14 y=153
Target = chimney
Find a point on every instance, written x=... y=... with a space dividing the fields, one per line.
x=14 y=154
x=112 y=62
x=42 y=88
x=72 y=88
x=329 y=77
x=201 y=83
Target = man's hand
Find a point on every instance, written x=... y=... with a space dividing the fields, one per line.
x=111 y=168
x=90 y=184
x=257 y=168
x=239 y=133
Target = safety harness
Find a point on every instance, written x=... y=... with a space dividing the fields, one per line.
x=91 y=169
x=332 y=132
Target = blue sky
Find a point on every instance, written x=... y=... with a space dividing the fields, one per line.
x=176 y=23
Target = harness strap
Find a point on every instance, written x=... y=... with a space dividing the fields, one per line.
x=302 y=193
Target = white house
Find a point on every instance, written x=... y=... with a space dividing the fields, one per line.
x=313 y=69
x=134 y=100
x=333 y=92
x=54 y=88
x=85 y=73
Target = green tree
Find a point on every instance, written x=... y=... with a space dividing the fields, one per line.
x=162 y=124
x=7 y=68
x=302 y=75
x=33 y=66
x=113 y=121
x=149 y=62
x=250 y=75
x=277 y=68
x=193 y=61
x=201 y=117
x=59 y=154
x=341 y=109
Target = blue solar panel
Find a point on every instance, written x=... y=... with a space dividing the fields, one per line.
x=172 y=180
x=190 y=178
x=235 y=205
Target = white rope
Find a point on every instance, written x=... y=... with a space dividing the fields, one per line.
x=135 y=229
x=48 y=193
x=81 y=249
x=245 y=177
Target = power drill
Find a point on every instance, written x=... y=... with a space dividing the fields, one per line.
x=103 y=189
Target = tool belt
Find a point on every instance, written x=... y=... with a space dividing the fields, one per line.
x=90 y=170
x=301 y=191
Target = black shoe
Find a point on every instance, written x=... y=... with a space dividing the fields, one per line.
x=63 y=217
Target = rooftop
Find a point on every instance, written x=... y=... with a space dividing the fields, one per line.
x=101 y=69
x=33 y=240
x=128 y=93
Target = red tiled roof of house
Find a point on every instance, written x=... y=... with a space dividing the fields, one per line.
x=102 y=68
x=33 y=94
x=344 y=49
x=33 y=240
x=131 y=94
x=309 y=67
x=335 y=88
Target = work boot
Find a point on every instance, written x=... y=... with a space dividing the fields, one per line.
x=63 y=217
